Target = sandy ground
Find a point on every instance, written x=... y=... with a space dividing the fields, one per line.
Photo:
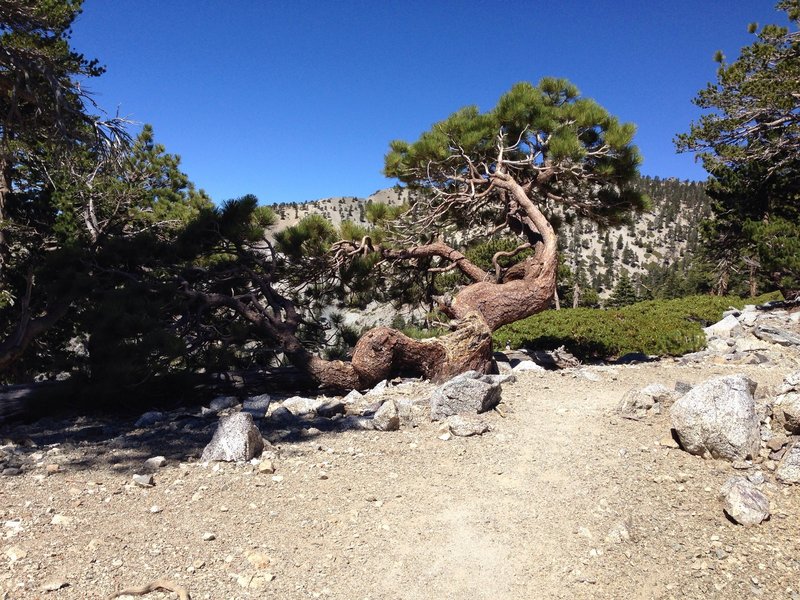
x=562 y=499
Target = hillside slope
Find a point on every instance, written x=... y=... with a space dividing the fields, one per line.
x=661 y=240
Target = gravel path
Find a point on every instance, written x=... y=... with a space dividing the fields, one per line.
x=562 y=499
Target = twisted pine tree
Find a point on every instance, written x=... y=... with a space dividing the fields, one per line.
x=498 y=174
x=543 y=150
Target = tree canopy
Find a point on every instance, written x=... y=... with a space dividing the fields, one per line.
x=84 y=210
x=750 y=144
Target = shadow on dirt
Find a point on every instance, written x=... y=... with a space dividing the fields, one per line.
x=87 y=442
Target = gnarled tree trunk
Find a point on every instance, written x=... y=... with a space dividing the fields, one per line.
x=478 y=309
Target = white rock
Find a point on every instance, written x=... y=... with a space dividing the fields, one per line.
x=744 y=502
x=353 y=397
x=61 y=520
x=750 y=343
x=386 y=418
x=463 y=426
x=788 y=469
x=143 y=480
x=464 y=394
x=300 y=406
x=637 y=404
x=786 y=409
x=718 y=419
x=236 y=439
x=727 y=327
x=379 y=388
x=155 y=462
x=526 y=365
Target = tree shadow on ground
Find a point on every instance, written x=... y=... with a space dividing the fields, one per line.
x=116 y=443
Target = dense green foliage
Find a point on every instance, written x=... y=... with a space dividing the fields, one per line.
x=656 y=327
x=87 y=215
x=568 y=149
x=749 y=142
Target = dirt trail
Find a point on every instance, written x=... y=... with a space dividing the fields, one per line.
x=562 y=499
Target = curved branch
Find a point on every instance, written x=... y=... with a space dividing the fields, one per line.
x=442 y=250
x=498 y=255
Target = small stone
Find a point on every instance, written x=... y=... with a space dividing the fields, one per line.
x=11 y=471
x=281 y=415
x=777 y=443
x=259 y=583
x=668 y=442
x=53 y=585
x=155 y=509
x=379 y=388
x=386 y=417
x=144 y=480
x=61 y=520
x=743 y=502
x=208 y=536
x=445 y=436
x=353 y=397
x=259 y=560
x=223 y=402
x=235 y=439
x=257 y=406
x=323 y=475
x=589 y=375
x=788 y=469
x=467 y=393
x=277 y=478
x=52 y=468
x=621 y=532
x=638 y=404
x=154 y=463
x=300 y=406
x=331 y=408
x=266 y=467
x=15 y=553
x=465 y=426
x=756 y=478
x=149 y=418
x=526 y=365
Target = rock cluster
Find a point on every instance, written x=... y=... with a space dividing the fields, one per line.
x=748 y=336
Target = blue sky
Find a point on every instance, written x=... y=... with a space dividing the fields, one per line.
x=297 y=100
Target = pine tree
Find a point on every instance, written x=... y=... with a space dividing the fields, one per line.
x=750 y=144
x=624 y=292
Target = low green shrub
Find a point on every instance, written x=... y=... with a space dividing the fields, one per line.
x=655 y=327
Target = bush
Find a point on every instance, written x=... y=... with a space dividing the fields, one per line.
x=656 y=327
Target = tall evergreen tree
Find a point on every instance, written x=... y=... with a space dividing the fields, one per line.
x=750 y=144
x=624 y=292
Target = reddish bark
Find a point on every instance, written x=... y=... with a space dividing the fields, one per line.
x=479 y=309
